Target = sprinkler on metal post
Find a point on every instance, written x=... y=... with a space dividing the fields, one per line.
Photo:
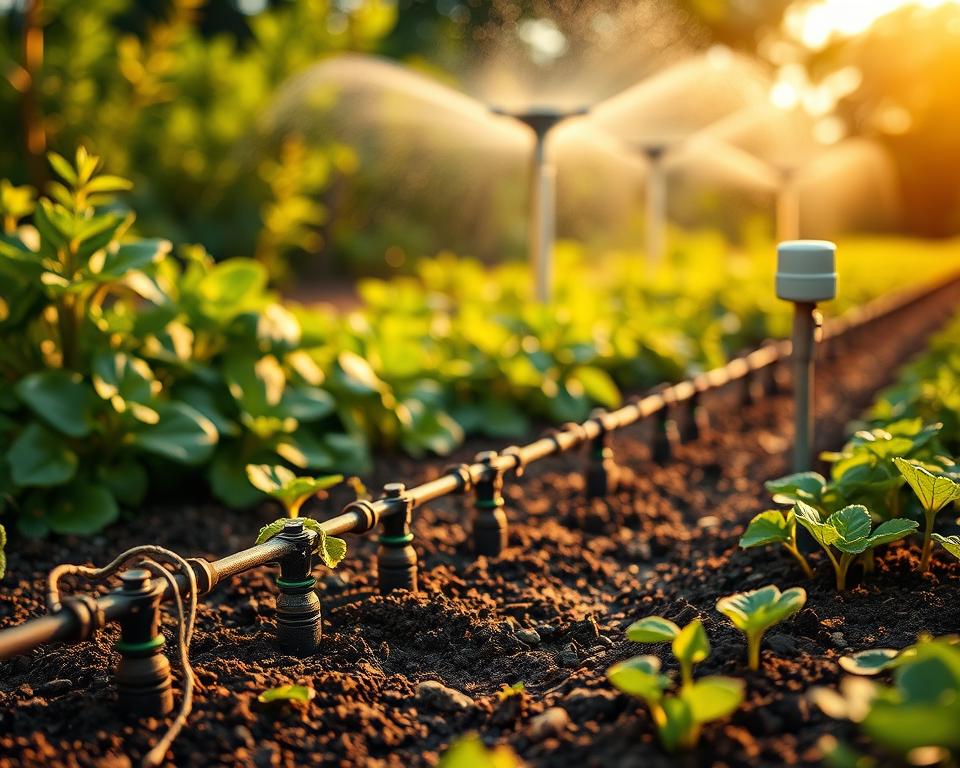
x=806 y=274
x=541 y=227
x=396 y=557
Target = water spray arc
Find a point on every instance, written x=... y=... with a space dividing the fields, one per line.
x=541 y=221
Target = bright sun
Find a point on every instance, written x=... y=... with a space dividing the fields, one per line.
x=816 y=22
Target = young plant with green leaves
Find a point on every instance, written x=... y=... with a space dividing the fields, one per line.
x=331 y=549
x=291 y=490
x=848 y=533
x=754 y=612
x=679 y=716
x=934 y=492
x=776 y=527
x=919 y=711
x=288 y=694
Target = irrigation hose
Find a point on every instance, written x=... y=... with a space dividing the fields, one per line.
x=150 y=555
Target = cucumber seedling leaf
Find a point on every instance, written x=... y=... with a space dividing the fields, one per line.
x=754 y=612
x=869 y=662
x=289 y=489
x=301 y=694
x=949 y=543
x=934 y=493
x=652 y=629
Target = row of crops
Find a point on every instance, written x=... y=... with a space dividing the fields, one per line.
x=125 y=367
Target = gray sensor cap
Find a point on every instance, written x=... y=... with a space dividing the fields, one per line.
x=806 y=270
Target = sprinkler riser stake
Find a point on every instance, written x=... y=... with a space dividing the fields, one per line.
x=299 y=621
x=397 y=566
x=142 y=676
x=603 y=474
x=489 y=519
x=664 y=435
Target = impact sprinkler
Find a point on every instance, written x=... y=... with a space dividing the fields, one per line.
x=806 y=274
x=542 y=213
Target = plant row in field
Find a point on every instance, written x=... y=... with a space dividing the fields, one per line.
x=125 y=367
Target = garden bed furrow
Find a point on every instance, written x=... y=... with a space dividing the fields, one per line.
x=575 y=572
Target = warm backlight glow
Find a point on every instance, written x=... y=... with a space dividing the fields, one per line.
x=816 y=23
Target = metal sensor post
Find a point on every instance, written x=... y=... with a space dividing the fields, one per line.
x=806 y=275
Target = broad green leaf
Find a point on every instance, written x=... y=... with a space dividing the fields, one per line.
x=949 y=543
x=357 y=375
x=127 y=480
x=302 y=694
x=598 y=385
x=851 y=523
x=122 y=379
x=232 y=287
x=286 y=487
x=82 y=509
x=270 y=530
x=640 y=677
x=61 y=398
x=62 y=167
x=305 y=451
x=934 y=491
x=904 y=727
x=801 y=486
x=332 y=550
x=129 y=257
x=891 y=530
x=711 y=698
x=772 y=526
x=760 y=609
x=40 y=458
x=181 y=434
x=870 y=662
x=809 y=518
x=652 y=629
x=691 y=646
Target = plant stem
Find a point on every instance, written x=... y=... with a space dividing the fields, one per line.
x=929 y=517
x=800 y=559
x=753 y=650
x=842 y=566
x=686 y=675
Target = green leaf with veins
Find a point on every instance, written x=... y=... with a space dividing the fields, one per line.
x=852 y=524
x=289 y=489
x=949 y=543
x=869 y=662
x=652 y=629
x=330 y=548
x=801 y=486
x=809 y=518
x=39 y=458
x=61 y=398
x=934 y=491
x=770 y=527
x=760 y=609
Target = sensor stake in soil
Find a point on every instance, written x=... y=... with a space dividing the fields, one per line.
x=806 y=274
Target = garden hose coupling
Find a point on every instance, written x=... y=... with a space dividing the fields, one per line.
x=299 y=623
x=603 y=474
x=143 y=673
x=396 y=558
x=489 y=519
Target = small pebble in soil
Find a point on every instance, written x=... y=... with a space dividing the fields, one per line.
x=546 y=631
x=569 y=656
x=838 y=639
x=782 y=645
x=550 y=722
x=54 y=687
x=435 y=695
x=529 y=636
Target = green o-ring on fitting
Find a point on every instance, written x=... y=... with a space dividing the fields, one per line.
x=146 y=645
x=287 y=584
x=489 y=503
x=396 y=541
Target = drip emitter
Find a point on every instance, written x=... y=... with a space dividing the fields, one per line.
x=806 y=275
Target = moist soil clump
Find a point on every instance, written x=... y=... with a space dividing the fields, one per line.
x=550 y=613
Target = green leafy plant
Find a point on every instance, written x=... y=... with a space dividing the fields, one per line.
x=288 y=694
x=679 y=718
x=775 y=527
x=289 y=489
x=919 y=711
x=470 y=752
x=934 y=492
x=690 y=645
x=849 y=532
x=754 y=612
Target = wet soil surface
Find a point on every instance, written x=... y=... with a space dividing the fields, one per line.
x=550 y=613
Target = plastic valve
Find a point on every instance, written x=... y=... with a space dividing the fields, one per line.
x=806 y=270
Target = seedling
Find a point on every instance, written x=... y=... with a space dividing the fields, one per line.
x=509 y=691
x=690 y=645
x=849 y=532
x=330 y=548
x=288 y=694
x=775 y=527
x=919 y=711
x=679 y=718
x=934 y=493
x=286 y=487
x=754 y=612
x=471 y=752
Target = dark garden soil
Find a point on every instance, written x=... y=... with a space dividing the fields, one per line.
x=575 y=573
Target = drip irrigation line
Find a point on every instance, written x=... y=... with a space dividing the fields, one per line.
x=77 y=618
